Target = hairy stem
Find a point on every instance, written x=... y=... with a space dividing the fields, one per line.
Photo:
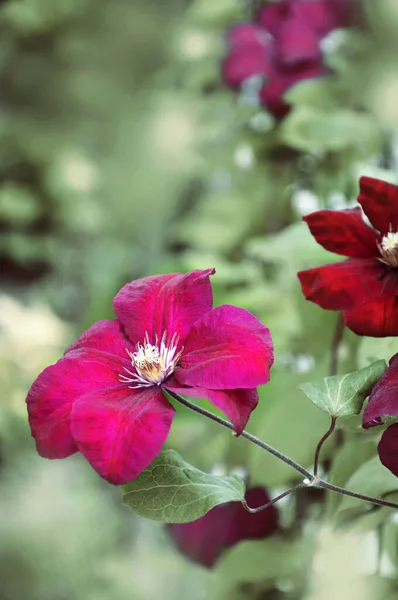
x=340 y=490
x=310 y=478
x=321 y=442
x=275 y=500
x=245 y=434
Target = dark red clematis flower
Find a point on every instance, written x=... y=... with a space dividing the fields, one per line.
x=383 y=402
x=383 y=399
x=203 y=541
x=283 y=45
x=364 y=287
x=388 y=448
x=104 y=398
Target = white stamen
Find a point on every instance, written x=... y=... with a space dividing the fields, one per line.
x=152 y=363
x=389 y=248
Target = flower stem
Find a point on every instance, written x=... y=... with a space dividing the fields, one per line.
x=245 y=434
x=336 y=341
x=274 y=500
x=310 y=479
x=335 y=488
x=321 y=442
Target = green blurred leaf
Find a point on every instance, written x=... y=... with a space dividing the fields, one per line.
x=318 y=92
x=344 y=395
x=371 y=349
x=173 y=491
x=347 y=460
x=313 y=130
x=371 y=479
x=256 y=561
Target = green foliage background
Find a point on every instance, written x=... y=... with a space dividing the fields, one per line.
x=122 y=154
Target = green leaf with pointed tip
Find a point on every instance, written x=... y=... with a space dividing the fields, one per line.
x=173 y=491
x=344 y=395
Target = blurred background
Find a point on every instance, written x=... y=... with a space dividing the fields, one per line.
x=123 y=153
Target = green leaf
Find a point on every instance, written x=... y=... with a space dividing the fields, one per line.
x=173 y=491
x=319 y=92
x=371 y=479
x=313 y=130
x=344 y=395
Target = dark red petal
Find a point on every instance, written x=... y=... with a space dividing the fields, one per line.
x=273 y=16
x=247 y=34
x=379 y=201
x=228 y=348
x=320 y=15
x=343 y=285
x=120 y=431
x=160 y=303
x=297 y=42
x=280 y=80
x=377 y=318
x=204 y=540
x=103 y=336
x=383 y=399
x=52 y=395
x=388 y=448
x=243 y=63
x=343 y=232
x=237 y=405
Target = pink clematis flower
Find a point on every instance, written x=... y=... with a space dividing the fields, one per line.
x=283 y=45
x=364 y=287
x=383 y=402
x=203 y=541
x=105 y=397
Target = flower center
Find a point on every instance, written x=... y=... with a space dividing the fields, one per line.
x=153 y=363
x=389 y=248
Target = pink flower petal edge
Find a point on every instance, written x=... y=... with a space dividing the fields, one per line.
x=164 y=303
x=228 y=348
x=121 y=433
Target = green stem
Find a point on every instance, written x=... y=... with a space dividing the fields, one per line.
x=245 y=434
x=310 y=478
x=275 y=500
x=321 y=442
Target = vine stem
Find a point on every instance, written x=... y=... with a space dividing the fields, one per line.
x=245 y=434
x=310 y=480
x=274 y=500
x=321 y=442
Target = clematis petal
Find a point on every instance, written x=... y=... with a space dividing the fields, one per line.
x=383 y=399
x=320 y=15
x=245 y=62
x=226 y=349
x=120 y=431
x=388 y=448
x=103 y=336
x=280 y=80
x=237 y=404
x=160 y=303
x=343 y=285
x=379 y=201
x=297 y=42
x=205 y=539
x=51 y=398
x=376 y=318
x=343 y=232
x=247 y=34
x=273 y=16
